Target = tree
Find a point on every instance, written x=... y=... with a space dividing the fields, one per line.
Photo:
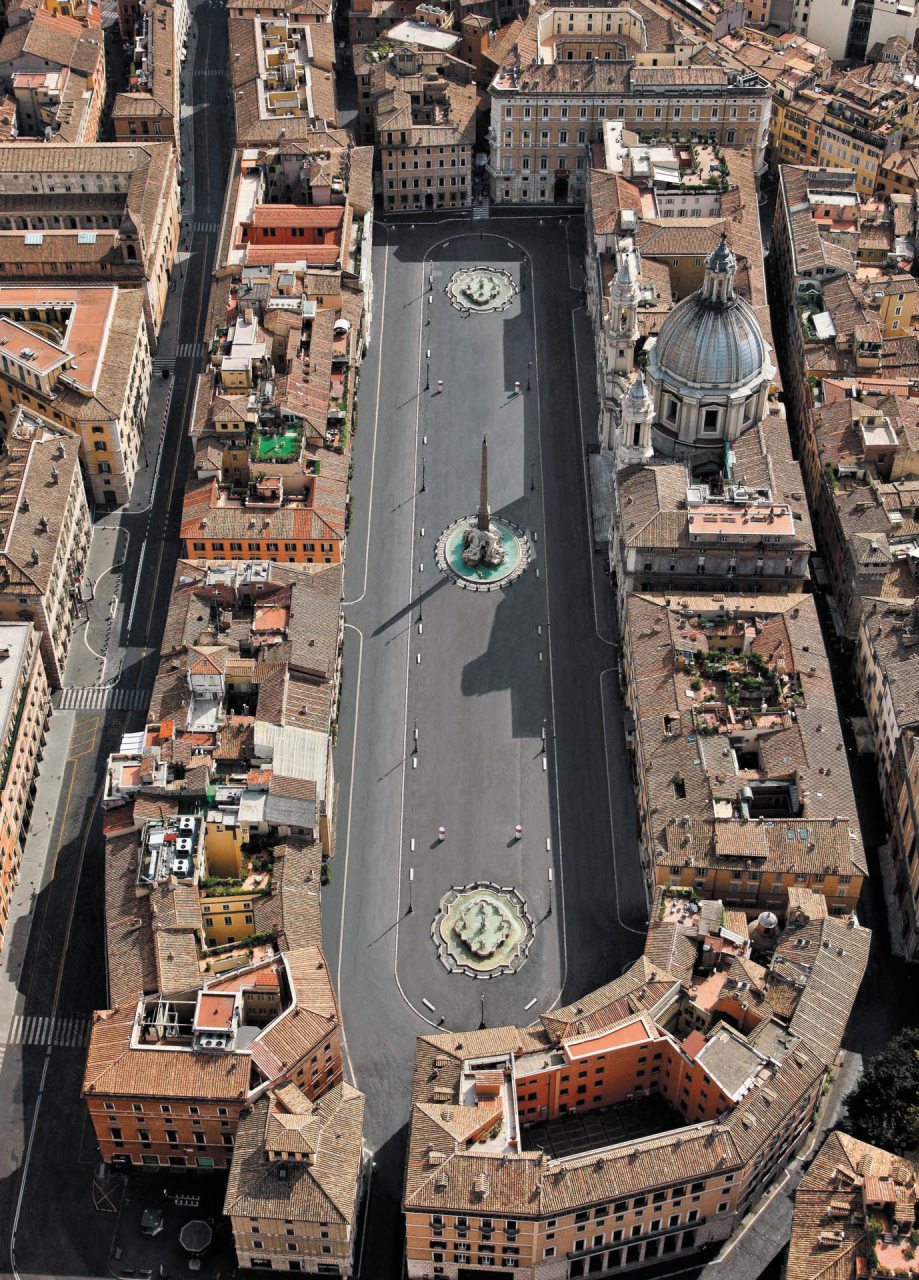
x=883 y=1108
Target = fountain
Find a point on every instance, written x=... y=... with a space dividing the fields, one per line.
x=482 y=930
x=482 y=925
x=481 y=289
x=482 y=552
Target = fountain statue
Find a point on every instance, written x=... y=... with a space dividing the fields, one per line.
x=480 y=290
x=483 y=925
x=482 y=542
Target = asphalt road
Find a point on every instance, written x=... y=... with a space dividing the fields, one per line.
x=494 y=669
x=48 y=1223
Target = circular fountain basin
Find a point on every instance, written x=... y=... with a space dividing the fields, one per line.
x=448 y=554
x=481 y=289
x=482 y=930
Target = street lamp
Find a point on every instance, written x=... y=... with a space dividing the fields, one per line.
x=529 y=367
x=411 y=881
x=422 y=474
x=549 y=912
x=532 y=476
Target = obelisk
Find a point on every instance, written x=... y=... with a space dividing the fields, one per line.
x=483 y=515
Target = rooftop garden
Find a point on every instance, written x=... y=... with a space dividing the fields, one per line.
x=743 y=685
x=255 y=885
x=892 y=1248
x=379 y=50
x=282 y=446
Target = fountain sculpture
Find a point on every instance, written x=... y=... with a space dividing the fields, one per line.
x=482 y=926
x=483 y=929
x=478 y=290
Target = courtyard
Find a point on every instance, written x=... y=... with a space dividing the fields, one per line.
x=583 y=1131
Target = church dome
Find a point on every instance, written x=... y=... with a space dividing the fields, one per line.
x=712 y=339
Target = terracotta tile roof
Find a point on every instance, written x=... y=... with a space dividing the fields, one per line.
x=887 y=625
x=610 y=193
x=670 y=951
x=205 y=515
x=37 y=472
x=639 y=988
x=291 y=911
x=300 y=1029
x=323 y=1191
x=805 y=750
x=114 y=1068
x=129 y=938
x=825 y=962
x=829 y=1235
x=271 y=215
x=646 y=495
x=55 y=39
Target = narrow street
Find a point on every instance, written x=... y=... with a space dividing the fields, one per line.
x=53 y=968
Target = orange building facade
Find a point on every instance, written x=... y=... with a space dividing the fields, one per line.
x=167 y=1081
x=260 y=523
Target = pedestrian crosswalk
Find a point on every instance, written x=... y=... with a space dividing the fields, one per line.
x=209 y=71
x=185 y=350
x=61 y=1032
x=100 y=698
x=205 y=226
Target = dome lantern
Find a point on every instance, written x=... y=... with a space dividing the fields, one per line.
x=720 y=270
